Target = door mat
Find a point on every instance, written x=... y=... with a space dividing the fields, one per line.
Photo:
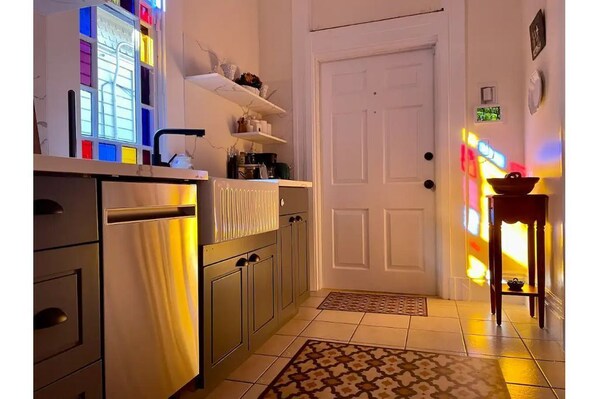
x=335 y=370
x=376 y=303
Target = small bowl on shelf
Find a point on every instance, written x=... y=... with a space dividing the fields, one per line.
x=515 y=284
x=513 y=184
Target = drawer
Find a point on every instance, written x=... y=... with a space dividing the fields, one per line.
x=65 y=211
x=292 y=200
x=85 y=383
x=66 y=308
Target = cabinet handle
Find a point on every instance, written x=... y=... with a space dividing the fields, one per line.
x=242 y=262
x=49 y=317
x=254 y=258
x=292 y=219
x=298 y=219
x=46 y=207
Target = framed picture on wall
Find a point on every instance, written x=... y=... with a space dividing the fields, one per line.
x=537 y=34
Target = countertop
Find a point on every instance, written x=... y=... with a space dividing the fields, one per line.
x=46 y=163
x=286 y=183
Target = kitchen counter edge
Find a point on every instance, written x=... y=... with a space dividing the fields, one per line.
x=53 y=164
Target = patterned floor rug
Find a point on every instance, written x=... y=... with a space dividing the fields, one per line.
x=376 y=303
x=336 y=370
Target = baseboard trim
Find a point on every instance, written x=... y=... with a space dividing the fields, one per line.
x=555 y=305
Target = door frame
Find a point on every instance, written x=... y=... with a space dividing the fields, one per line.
x=445 y=32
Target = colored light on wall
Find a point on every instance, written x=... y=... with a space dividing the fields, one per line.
x=472 y=140
x=491 y=154
x=85 y=62
x=476 y=269
x=87 y=149
x=474 y=195
x=107 y=152
x=147 y=50
x=516 y=167
x=468 y=161
x=129 y=154
x=473 y=222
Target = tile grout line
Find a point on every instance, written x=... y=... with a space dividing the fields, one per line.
x=358 y=324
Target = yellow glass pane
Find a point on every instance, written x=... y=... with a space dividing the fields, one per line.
x=129 y=155
x=147 y=50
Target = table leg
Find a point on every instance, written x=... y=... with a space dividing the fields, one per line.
x=541 y=273
x=498 y=270
x=531 y=264
x=491 y=256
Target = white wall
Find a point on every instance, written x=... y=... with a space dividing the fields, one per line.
x=276 y=67
x=333 y=13
x=229 y=30
x=545 y=135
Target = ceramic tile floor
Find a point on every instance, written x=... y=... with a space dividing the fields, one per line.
x=532 y=364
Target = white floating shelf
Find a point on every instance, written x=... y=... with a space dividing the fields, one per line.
x=236 y=93
x=259 y=137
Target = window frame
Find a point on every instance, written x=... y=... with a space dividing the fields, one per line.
x=137 y=23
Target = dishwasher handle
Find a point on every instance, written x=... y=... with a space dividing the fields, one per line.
x=141 y=214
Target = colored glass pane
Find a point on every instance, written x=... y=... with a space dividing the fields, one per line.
x=85 y=62
x=107 y=152
x=145 y=13
x=85 y=104
x=145 y=86
x=117 y=85
x=146 y=157
x=85 y=21
x=147 y=50
x=129 y=154
x=128 y=5
x=87 y=149
x=146 y=126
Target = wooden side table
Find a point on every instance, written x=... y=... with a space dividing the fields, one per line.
x=532 y=211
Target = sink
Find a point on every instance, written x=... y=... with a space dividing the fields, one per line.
x=231 y=208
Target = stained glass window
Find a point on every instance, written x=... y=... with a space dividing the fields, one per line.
x=107 y=152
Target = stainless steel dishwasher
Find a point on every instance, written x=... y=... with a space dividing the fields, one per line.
x=150 y=273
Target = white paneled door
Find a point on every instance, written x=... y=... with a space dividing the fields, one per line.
x=377 y=124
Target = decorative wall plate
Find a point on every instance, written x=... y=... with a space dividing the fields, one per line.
x=535 y=91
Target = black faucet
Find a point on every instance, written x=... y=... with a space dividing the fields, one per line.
x=156 y=157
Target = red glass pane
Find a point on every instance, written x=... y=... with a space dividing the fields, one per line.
x=146 y=157
x=145 y=13
x=87 y=149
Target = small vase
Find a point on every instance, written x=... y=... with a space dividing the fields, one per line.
x=229 y=70
x=264 y=90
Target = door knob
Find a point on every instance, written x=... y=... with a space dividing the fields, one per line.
x=242 y=262
x=429 y=184
x=254 y=258
x=428 y=156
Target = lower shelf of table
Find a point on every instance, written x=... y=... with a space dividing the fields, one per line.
x=527 y=290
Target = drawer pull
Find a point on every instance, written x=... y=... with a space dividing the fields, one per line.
x=254 y=258
x=292 y=219
x=49 y=317
x=242 y=262
x=298 y=219
x=46 y=207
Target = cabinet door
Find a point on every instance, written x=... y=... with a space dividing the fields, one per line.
x=225 y=318
x=262 y=295
x=83 y=384
x=286 y=274
x=300 y=244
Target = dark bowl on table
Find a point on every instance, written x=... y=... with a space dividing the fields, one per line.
x=513 y=184
x=515 y=284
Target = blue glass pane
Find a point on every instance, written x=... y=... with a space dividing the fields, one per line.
x=85 y=21
x=107 y=152
x=146 y=126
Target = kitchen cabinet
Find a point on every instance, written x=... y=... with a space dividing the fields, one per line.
x=240 y=310
x=83 y=384
x=292 y=249
x=66 y=302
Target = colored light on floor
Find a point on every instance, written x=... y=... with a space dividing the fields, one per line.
x=107 y=152
x=129 y=154
x=87 y=149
